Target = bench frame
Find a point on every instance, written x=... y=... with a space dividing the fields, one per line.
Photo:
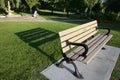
x=71 y=61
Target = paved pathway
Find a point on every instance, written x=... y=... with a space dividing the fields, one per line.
x=21 y=19
x=29 y=18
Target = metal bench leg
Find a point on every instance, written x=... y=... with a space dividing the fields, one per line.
x=103 y=48
x=60 y=64
x=76 y=73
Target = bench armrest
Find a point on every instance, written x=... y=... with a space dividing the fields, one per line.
x=79 y=44
x=107 y=29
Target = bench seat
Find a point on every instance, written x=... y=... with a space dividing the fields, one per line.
x=94 y=46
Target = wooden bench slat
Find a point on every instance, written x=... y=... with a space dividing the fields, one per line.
x=93 y=53
x=80 y=48
x=82 y=39
x=78 y=33
x=91 y=46
x=82 y=36
x=79 y=37
x=65 y=32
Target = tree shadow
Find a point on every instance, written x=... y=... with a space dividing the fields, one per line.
x=36 y=37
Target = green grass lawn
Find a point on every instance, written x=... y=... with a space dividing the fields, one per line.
x=27 y=48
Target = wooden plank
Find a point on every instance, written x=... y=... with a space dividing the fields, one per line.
x=78 y=32
x=67 y=31
x=80 y=38
x=93 y=53
x=91 y=46
x=86 y=37
x=66 y=48
x=80 y=48
x=79 y=41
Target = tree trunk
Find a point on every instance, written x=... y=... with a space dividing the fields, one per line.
x=52 y=10
x=68 y=13
x=31 y=10
x=90 y=13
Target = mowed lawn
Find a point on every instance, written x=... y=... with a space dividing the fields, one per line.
x=27 y=48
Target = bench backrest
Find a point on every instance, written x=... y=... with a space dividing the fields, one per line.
x=77 y=34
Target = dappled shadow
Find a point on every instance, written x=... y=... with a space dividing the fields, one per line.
x=73 y=21
x=36 y=37
x=61 y=17
x=52 y=14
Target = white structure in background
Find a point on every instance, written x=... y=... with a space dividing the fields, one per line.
x=9 y=7
x=35 y=14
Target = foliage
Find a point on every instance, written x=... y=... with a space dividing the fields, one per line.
x=98 y=7
x=31 y=3
x=110 y=16
x=23 y=8
x=2 y=4
x=2 y=7
x=90 y=5
x=17 y=3
x=112 y=9
x=113 y=6
x=90 y=8
x=51 y=4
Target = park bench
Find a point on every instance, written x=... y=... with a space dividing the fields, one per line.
x=88 y=41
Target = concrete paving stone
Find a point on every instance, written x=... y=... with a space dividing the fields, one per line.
x=100 y=68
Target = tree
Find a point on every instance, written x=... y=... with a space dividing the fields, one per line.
x=78 y=5
x=51 y=4
x=31 y=3
x=2 y=7
x=65 y=5
x=112 y=9
x=2 y=4
x=91 y=4
x=73 y=5
x=113 y=6
x=16 y=3
x=98 y=7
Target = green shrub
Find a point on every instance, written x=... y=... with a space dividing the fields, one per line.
x=3 y=11
x=110 y=16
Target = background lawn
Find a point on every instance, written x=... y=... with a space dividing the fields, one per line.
x=58 y=15
x=26 y=48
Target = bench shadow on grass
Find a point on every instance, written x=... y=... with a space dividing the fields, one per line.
x=36 y=37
